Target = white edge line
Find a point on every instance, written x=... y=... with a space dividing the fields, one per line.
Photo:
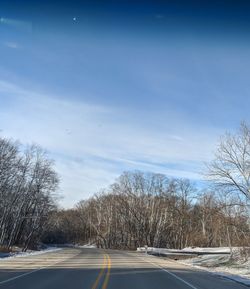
x=172 y=274
x=22 y=275
x=30 y=272
x=230 y=276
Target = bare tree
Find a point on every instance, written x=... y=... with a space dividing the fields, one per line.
x=27 y=184
x=151 y=209
x=230 y=168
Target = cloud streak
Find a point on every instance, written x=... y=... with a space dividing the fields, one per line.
x=16 y=23
x=12 y=45
x=93 y=144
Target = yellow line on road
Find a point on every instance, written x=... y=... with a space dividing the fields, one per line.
x=101 y=272
x=106 y=280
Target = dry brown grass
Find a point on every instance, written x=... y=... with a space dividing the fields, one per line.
x=5 y=249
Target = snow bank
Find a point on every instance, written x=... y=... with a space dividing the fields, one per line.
x=4 y=256
x=214 y=260
x=223 y=266
x=207 y=250
x=87 y=246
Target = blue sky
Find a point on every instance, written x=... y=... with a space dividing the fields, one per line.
x=123 y=85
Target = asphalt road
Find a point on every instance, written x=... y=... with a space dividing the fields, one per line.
x=98 y=269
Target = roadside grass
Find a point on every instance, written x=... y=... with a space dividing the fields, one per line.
x=4 y=249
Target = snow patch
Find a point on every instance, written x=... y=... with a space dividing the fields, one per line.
x=87 y=246
x=213 y=260
x=6 y=256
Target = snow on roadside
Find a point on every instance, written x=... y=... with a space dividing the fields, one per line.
x=216 y=262
x=206 y=249
x=50 y=249
x=87 y=246
x=6 y=256
x=219 y=265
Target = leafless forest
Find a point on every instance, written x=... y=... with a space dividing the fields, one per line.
x=139 y=208
x=27 y=183
x=145 y=208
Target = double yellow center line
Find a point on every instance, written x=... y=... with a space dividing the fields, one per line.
x=105 y=265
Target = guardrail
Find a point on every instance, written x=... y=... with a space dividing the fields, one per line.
x=178 y=254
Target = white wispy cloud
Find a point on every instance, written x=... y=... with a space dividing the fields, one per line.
x=17 y=23
x=12 y=45
x=92 y=144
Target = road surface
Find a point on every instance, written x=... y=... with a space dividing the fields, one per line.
x=74 y=268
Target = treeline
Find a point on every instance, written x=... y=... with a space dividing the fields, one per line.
x=27 y=184
x=138 y=209
x=152 y=209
